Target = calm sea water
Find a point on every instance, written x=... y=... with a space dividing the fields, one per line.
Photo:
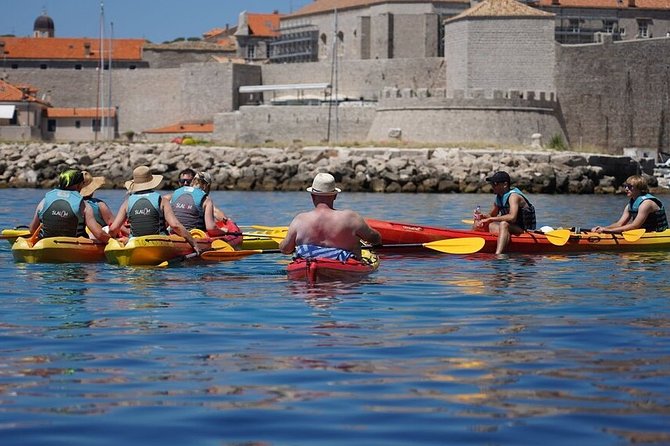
x=432 y=350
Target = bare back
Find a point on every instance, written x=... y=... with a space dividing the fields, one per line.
x=324 y=226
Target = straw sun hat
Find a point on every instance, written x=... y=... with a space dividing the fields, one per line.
x=323 y=184
x=91 y=184
x=143 y=179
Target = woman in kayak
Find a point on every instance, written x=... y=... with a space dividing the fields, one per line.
x=325 y=232
x=512 y=213
x=146 y=210
x=64 y=213
x=194 y=208
x=103 y=215
x=642 y=211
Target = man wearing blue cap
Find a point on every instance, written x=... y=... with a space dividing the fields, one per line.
x=512 y=213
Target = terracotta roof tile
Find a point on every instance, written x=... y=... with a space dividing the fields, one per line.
x=197 y=127
x=263 y=25
x=609 y=4
x=17 y=93
x=501 y=8
x=69 y=48
x=73 y=112
x=320 y=6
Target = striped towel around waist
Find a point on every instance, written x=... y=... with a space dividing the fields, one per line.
x=322 y=252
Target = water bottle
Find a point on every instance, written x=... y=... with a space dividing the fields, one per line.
x=476 y=217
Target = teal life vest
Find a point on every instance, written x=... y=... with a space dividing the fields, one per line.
x=61 y=215
x=656 y=221
x=526 y=217
x=145 y=215
x=187 y=204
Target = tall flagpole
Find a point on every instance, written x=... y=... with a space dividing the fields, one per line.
x=102 y=69
x=110 y=126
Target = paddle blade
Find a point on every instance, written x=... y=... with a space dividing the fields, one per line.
x=633 y=235
x=468 y=222
x=461 y=245
x=220 y=245
x=558 y=237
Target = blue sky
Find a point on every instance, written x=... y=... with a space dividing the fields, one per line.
x=155 y=20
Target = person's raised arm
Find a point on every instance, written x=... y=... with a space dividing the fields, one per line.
x=35 y=223
x=287 y=246
x=92 y=224
x=119 y=220
x=365 y=232
x=625 y=216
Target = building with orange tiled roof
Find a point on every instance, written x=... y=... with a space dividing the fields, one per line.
x=254 y=33
x=203 y=129
x=80 y=123
x=21 y=112
x=76 y=53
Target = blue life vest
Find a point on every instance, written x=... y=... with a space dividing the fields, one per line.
x=145 y=215
x=322 y=252
x=61 y=214
x=95 y=205
x=187 y=204
x=656 y=221
x=526 y=216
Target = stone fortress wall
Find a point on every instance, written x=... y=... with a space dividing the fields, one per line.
x=609 y=95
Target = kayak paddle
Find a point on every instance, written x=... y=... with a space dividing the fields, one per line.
x=633 y=235
x=217 y=245
x=462 y=245
x=558 y=237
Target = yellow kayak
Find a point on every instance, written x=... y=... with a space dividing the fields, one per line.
x=150 y=249
x=58 y=250
x=260 y=239
x=12 y=234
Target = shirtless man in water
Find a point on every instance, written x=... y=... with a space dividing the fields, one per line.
x=324 y=231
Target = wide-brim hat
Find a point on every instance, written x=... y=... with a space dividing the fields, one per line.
x=323 y=184
x=143 y=179
x=91 y=184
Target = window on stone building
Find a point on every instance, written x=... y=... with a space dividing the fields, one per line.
x=251 y=52
x=77 y=66
x=643 y=29
x=95 y=125
x=77 y=124
x=324 y=38
x=609 y=26
x=51 y=125
x=573 y=26
x=43 y=66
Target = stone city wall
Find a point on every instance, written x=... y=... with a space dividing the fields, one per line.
x=388 y=170
x=616 y=94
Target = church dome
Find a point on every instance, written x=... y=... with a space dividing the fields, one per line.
x=44 y=26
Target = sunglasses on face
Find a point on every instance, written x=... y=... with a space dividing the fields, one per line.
x=627 y=186
x=185 y=181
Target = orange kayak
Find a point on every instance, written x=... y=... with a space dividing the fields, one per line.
x=528 y=242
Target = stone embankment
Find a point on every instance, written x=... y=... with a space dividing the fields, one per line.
x=37 y=165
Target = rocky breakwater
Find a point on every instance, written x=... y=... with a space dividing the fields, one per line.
x=390 y=170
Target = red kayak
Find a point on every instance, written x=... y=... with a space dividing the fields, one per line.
x=528 y=242
x=321 y=270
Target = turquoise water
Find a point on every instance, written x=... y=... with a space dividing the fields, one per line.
x=436 y=349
